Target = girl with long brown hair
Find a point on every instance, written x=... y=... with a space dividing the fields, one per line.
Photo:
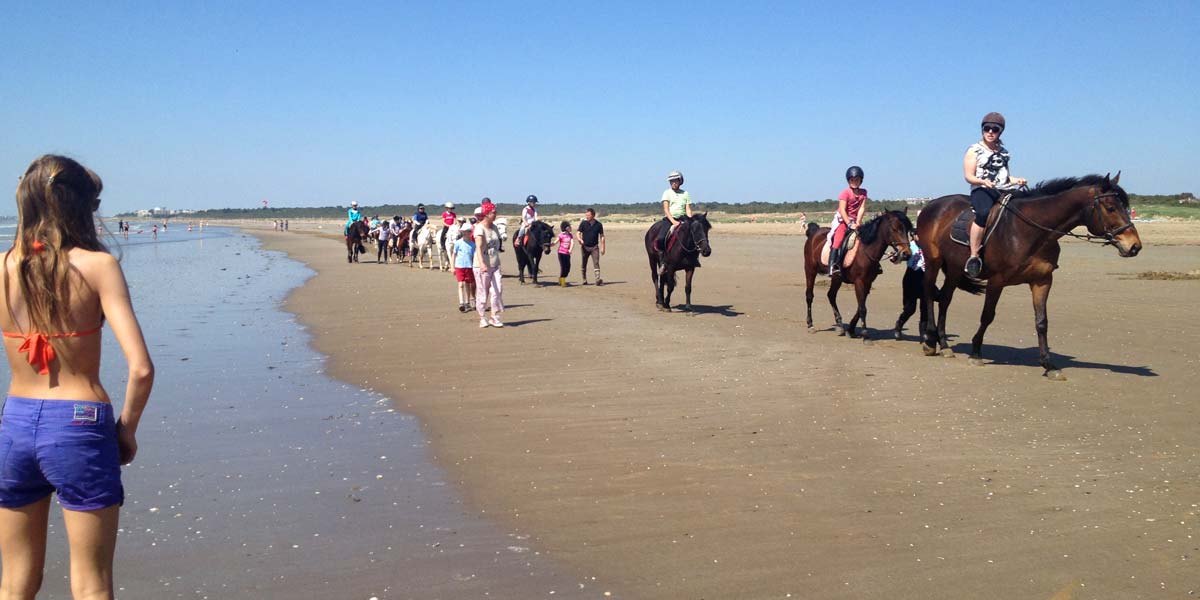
x=58 y=433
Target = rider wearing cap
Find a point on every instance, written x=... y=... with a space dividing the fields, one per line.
x=448 y=219
x=352 y=215
x=852 y=205
x=676 y=205
x=985 y=167
x=529 y=214
x=419 y=218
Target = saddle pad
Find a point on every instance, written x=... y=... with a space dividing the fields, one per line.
x=960 y=231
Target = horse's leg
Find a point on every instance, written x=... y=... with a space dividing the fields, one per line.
x=985 y=319
x=668 y=281
x=1041 y=293
x=810 y=280
x=929 y=295
x=654 y=280
x=861 y=289
x=944 y=297
x=834 y=284
x=687 y=290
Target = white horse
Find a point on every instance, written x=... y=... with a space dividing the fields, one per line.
x=502 y=226
x=454 y=233
x=426 y=242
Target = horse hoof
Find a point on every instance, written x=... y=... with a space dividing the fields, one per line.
x=898 y=336
x=975 y=361
x=947 y=353
x=841 y=331
x=812 y=329
x=929 y=350
x=1055 y=375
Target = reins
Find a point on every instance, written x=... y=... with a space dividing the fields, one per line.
x=1108 y=239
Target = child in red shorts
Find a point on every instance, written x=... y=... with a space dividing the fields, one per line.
x=464 y=256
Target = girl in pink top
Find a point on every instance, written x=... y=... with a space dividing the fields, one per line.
x=852 y=205
x=566 y=243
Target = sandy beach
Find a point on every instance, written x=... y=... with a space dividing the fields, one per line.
x=730 y=454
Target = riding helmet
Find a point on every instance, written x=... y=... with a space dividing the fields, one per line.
x=449 y=205
x=420 y=206
x=994 y=118
x=673 y=175
x=531 y=198
x=855 y=171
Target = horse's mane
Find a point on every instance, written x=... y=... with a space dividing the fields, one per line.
x=870 y=230
x=1051 y=187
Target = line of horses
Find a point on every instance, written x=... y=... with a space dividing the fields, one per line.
x=433 y=242
x=1022 y=247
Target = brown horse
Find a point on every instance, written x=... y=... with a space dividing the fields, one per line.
x=1022 y=248
x=356 y=233
x=684 y=248
x=890 y=229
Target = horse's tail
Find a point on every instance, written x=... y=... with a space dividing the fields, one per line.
x=970 y=286
x=811 y=230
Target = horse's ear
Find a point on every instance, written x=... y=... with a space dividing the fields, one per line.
x=1117 y=179
x=1107 y=178
x=906 y=210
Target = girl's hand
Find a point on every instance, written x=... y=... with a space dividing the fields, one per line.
x=1020 y=180
x=987 y=184
x=126 y=443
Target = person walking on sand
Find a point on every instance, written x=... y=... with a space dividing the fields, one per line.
x=383 y=232
x=591 y=243
x=488 y=284
x=463 y=255
x=58 y=428
x=913 y=285
x=566 y=243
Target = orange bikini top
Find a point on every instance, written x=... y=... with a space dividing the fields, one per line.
x=37 y=345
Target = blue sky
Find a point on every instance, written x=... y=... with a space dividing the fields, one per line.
x=204 y=105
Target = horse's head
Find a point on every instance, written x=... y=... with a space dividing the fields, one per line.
x=542 y=235
x=893 y=228
x=1109 y=217
x=699 y=229
x=502 y=226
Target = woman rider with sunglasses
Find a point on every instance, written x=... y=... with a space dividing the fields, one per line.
x=985 y=167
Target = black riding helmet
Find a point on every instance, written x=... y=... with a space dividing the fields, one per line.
x=531 y=198
x=852 y=172
x=420 y=207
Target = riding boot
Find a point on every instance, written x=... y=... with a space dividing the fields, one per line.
x=835 y=261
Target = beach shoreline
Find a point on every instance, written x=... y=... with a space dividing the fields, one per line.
x=785 y=462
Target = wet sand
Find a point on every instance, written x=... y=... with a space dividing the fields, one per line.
x=729 y=453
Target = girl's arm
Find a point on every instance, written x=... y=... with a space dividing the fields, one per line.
x=667 y=212
x=842 y=211
x=690 y=214
x=118 y=309
x=862 y=209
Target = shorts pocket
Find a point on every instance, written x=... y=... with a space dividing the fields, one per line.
x=5 y=447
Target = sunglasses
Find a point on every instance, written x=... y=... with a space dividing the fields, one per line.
x=992 y=129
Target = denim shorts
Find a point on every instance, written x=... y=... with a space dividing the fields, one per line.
x=64 y=446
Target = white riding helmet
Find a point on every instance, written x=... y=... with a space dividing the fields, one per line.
x=673 y=175
x=449 y=205
x=354 y=203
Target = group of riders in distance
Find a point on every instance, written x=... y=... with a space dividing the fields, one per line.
x=1002 y=233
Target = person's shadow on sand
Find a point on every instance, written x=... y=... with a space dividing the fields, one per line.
x=525 y=322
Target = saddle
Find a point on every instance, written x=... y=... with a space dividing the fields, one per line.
x=960 y=231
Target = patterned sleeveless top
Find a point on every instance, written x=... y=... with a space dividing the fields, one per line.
x=991 y=166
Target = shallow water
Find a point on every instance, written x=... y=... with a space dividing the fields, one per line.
x=257 y=475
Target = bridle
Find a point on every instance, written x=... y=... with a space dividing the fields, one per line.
x=1108 y=238
x=692 y=237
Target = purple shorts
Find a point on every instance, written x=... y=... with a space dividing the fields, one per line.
x=64 y=446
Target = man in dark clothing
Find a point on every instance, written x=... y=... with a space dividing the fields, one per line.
x=591 y=239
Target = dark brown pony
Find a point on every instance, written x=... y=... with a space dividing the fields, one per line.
x=684 y=249
x=529 y=251
x=356 y=233
x=1023 y=248
x=890 y=229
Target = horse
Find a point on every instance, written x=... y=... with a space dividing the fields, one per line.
x=684 y=248
x=538 y=238
x=356 y=232
x=502 y=226
x=890 y=229
x=427 y=243
x=1021 y=247
x=454 y=233
x=400 y=242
